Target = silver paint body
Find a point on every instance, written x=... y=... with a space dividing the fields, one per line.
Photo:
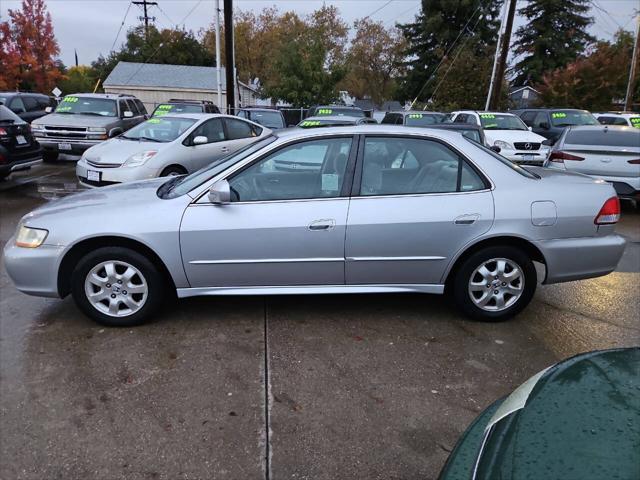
x=394 y=243
x=109 y=156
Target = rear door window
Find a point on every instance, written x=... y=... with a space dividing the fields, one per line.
x=17 y=105
x=212 y=129
x=540 y=119
x=237 y=129
x=30 y=104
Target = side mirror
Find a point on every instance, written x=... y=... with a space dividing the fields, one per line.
x=220 y=192
x=548 y=142
x=496 y=148
x=200 y=140
x=530 y=129
x=48 y=110
x=544 y=125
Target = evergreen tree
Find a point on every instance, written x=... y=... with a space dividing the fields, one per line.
x=435 y=29
x=554 y=35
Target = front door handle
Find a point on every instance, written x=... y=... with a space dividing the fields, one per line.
x=225 y=149
x=468 y=219
x=324 y=224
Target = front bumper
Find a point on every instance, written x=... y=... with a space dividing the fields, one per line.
x=77 y=146
x=111 y=176
x=570 y=259
x=522 y=157
x=34 y=271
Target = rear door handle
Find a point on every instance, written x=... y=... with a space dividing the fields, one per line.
x=324 y=224
x=468 y=219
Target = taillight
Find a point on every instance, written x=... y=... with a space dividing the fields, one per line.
x=609 y=213
x=3 y=159
x=3 y=132
x=560 y=156
x=635 y=161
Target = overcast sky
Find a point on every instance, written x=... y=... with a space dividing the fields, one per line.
x=90 y=26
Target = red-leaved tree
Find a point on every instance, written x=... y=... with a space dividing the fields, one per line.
x=9 y=59
x=30 y=32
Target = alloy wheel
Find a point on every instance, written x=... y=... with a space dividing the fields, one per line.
x=496 y=284
x=116 y=288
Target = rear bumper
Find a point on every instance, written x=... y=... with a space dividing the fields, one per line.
x=536 y=157
x=34 y=271
x=570 y=259
x=21 y=161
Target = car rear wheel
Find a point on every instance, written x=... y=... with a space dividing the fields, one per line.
x=173 y=171
x=49 y=156
x=494 y=283
x=117 y=287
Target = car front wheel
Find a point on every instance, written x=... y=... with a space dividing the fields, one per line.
x=117 y=287
x=494 y=283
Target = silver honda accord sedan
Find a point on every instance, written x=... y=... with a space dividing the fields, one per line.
x=374 y=209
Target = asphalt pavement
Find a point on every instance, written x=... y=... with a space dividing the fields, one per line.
x=300 y=387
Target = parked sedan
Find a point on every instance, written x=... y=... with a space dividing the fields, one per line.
x=578 y=419
x=506 y=131
x=608 y=152
x=18 y=149
x=625 y=119
x=389 y=209
x=166 y=145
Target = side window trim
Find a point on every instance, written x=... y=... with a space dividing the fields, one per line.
x=357 y=181
x=347 y=183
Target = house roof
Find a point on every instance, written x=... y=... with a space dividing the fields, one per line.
x=526 y=87
x=167 y=76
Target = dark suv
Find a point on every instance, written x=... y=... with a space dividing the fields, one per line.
x=176 y=105
x=18 y=149
x=267 y=117
x=551 y=122
x=28 y=106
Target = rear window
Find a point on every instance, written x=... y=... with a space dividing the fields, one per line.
x=339 y=111
x=615 y=137
x=167 y=108
x=421 y=119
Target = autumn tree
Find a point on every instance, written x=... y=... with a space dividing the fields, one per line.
x=29 y=32
x=374 y=61
x=593 y=81
x=9 y=59
x=554 y=34
x=433 y=32
x=78 y=79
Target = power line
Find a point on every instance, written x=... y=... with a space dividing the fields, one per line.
x=462 y=30
x=377 y=10
x=120 y=29
x=405 y=11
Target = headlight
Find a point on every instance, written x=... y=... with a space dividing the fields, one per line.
x=30 y=237
x=139 y=158
x=37 y=128
x=97 y=129
x=503 y=145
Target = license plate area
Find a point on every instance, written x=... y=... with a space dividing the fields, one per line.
x=93 y=176
x=20 y=140
x=64 y=146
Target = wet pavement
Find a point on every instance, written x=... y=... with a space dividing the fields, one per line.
x=318 y=387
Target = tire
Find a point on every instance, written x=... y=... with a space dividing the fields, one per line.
x=469 y=283
x=142 y=304
x=49 y=157
x=173 y=170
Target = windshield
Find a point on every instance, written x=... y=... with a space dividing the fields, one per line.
x=496 y=121
x=267 y=119
x=503 y=160
x=165 y=129
x=339 y=111
x=565 y=118
x=87 y=106
x=326 y=122
x=166 y=108
x=421 y=119
x=179 y=186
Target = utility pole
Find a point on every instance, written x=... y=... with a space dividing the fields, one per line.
x=496 y=56
x=502 y=62
x=218 y=60
x=628 y=99
x=146 y=16
x=228 y=53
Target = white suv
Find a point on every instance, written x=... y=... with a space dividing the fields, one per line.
x=506 y=131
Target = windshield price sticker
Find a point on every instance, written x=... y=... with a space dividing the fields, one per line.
x=487 y=115
x=325 y=111
x=310 y=123
x=63 y=109
x=415 y=115
x=558 y=115
x=165 y=107
x=635 y=121
x=69 y=99
x=154 y=120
